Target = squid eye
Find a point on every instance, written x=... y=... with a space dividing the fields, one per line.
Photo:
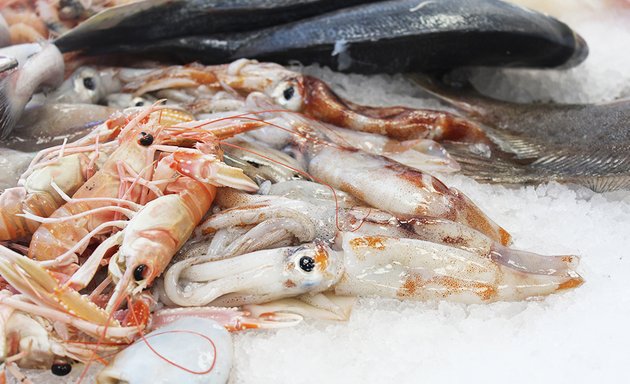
x=140 y=273
x=288 y=93
x=60 y=369
x=138 y=102
x=89 y=83
x=307 y=264
x=146 y=139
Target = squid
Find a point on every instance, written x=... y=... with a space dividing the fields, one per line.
x=368 y=265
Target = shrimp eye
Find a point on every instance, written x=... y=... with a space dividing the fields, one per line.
x=307 y=263
x=288 y=93
x=146 y=139
x=61 y=369
x=140 y=273
x=89 y=83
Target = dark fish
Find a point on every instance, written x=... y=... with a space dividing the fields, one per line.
x=163 y=19
x=394 y=36
x=587 y=144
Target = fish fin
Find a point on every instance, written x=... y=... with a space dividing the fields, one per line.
x=459 y=93
x=9 y=114
x=600 y=171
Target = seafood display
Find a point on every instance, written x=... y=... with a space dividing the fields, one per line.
x=113 y=208
x=149 y=209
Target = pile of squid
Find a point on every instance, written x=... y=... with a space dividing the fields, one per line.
x=247 y=194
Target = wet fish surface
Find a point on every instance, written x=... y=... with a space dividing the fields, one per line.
x=145 y=21
x=587 y=144
x=46 y=125
x=43 y=69
x=392 y=37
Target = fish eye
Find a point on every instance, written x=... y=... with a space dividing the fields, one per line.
x=145 y=139
x=89 y=83
x=141 y=272
x=307 y=264
x=60 y=369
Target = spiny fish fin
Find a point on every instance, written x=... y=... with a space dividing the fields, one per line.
x=605 y=183
x=599 y=170
x=8 y=115
x=610 y=161
x=488 y=166
x=518 y=144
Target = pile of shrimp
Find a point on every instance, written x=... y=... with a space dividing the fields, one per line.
x=248 y=194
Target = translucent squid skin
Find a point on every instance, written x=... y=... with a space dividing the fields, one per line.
x=252 y=278
x=202 y=347
x=366 y=265
x=250 y=223
x=421 y=270
x=400 y=190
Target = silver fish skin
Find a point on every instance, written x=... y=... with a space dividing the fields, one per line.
x=21 y=52
x=47 y=125
x=586 y=144
x=163 y=19
x=45 y=69
x=8 y=63
x=394 y=36
x=5 y=35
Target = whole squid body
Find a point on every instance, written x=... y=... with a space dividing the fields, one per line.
x=164 y=19
x=361 y=265
x=391 y=36
x=586 y=144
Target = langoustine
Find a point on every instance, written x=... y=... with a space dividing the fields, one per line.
x=49 y=325
x=170 y=198
x=300 y=93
